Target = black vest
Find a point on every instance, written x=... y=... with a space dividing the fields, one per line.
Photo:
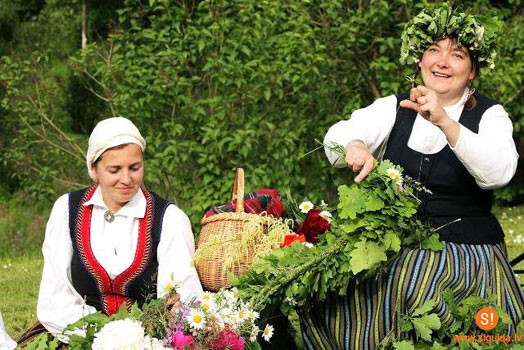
x=455 y=194
x=89 y=278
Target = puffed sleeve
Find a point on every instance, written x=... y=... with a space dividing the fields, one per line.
x=59 y=304
x=370 y=125
x=490 y=155
x=175 y=253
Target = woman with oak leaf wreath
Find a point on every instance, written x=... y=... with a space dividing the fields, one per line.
x=459 y=145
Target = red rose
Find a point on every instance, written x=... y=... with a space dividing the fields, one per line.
x=313 y=226
x=288 y=239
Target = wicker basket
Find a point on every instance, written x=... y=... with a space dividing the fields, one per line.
x=227 y=226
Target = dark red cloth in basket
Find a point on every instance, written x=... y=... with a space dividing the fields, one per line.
x=264 y=200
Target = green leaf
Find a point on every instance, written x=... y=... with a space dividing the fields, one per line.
x=391 y=241
x=366 y=255
x=432 y=243
x=267 y=94
x=425 y=325
x=403 y=345
x=425 y=308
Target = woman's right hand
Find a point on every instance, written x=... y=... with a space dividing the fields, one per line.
x=359 y=159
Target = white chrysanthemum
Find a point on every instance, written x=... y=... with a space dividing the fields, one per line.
x=226 y=314
x=121 y=334
x=241 y=315
x=254 y=334
x=395 y=175
x=169 y=287
x=196 y=319
x=153 y=344
x=208 y=306
x=253 y=315
x=268 y=332
x=306 y=206
x=207 y=296
x=326 y=215
x=230 y=297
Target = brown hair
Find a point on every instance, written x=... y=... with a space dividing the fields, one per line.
x=112 y=148
x=471 y=103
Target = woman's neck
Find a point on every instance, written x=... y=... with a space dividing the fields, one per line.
x=113 y=206
x=447 y=100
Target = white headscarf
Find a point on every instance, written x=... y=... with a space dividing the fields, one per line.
x=110 y=133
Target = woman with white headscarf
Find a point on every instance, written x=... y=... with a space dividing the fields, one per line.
x=113 y=243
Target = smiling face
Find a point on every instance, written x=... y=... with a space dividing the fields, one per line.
x=119 y=172
x=446 y=69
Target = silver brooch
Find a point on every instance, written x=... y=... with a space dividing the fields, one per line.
x=109 y=216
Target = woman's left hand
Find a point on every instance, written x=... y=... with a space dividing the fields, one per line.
x=425 y=101
x=174 y=302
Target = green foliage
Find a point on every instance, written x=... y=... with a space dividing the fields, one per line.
x=44 y=341
x=374 y=220
x=213 y=85
x=430 y=333
x=22 y=227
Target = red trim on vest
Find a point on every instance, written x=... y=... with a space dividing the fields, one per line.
x=113 y=292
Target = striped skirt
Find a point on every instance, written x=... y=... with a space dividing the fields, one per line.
x=371 y=310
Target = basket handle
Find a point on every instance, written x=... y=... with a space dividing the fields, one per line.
x=238 y=190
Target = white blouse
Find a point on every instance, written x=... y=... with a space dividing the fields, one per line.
x=6 y=343
x=490 y=155
x=114 y=246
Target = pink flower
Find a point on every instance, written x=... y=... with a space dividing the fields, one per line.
x=229 y=339
x=180 y=340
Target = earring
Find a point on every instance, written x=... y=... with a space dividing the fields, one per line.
x=470 y=93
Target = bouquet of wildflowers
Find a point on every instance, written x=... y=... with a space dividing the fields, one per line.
x=216 y=321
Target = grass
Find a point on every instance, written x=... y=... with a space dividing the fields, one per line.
x=512 y=221
x=19 y=282
x=20 y=273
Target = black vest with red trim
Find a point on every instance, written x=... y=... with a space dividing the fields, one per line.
x=455 y=194
x=91 y=280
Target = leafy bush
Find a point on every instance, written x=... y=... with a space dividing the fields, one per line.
x=215 y=85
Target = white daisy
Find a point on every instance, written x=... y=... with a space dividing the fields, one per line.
x=207 y=296
x=254 y=334
x=308 y=244
x=241 y=315
x=208 y=305
x=326 y=215
x=196 y=319
x=253 y=315
x=230 y=296
x=268 y=332
x=395 y=175
x=306 y=206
